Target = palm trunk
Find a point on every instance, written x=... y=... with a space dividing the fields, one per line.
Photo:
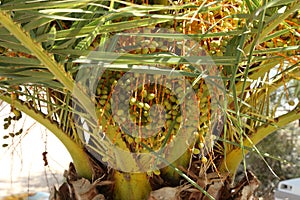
x=170 y=174
x=131 y=186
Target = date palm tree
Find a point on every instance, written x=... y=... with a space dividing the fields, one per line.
x=49 y=50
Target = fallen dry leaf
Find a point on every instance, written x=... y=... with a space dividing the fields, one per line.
x=83 y=189
x=165 y=193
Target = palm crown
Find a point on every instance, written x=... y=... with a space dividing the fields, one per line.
x=254 y=45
